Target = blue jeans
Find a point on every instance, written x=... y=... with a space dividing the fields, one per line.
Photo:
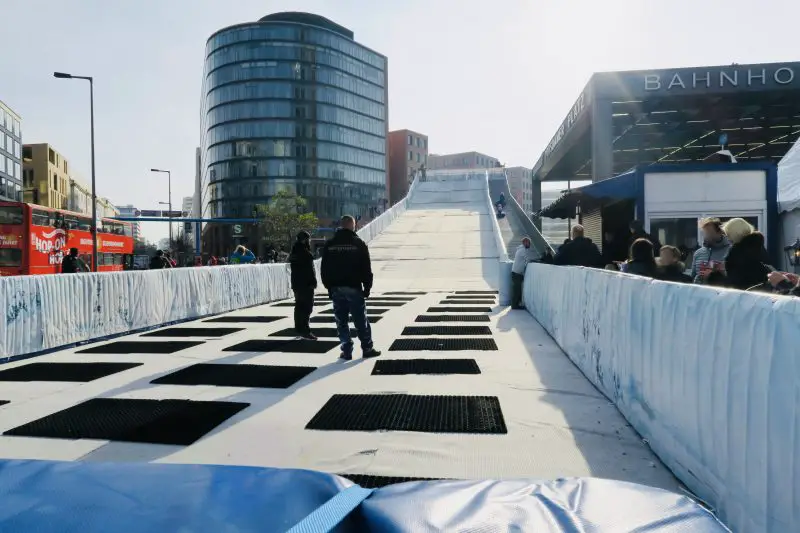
x=350 y=301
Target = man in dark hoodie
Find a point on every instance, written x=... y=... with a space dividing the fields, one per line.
x=347 y=274
x=304 y=281
x=579 y=251
x=638 y=232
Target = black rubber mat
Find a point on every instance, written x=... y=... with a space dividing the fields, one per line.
x=467 y=302
x=192 y=332
x=401 y=367
x=445 y=309
x=405 y=412
x=390 y=298
x=381 y=303
x=452 y=318
x=3 y=402
x=406 y=293
x=375 y=482
x=73 y=372
x=256 y=376
x=440 y=344
x=246 y=319
x=469 y=297
x=369 y=311
x=319 y=332
x=476 y=292
x=330 y=319
x=283 y=346
x=179 y=422
x=128 y=347
x=447 y=330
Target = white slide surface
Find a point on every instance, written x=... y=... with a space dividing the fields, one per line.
x=558 y=424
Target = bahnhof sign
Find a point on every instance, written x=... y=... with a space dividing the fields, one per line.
x=626 y=119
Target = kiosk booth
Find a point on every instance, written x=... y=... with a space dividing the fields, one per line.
x=670 y=201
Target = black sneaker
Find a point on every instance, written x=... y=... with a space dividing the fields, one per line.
x=344 y=357
x=371 y=353
x=308 y=336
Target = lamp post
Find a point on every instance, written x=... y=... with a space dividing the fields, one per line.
x=169 y=191
x=64 y=75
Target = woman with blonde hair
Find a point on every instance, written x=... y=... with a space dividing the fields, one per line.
x=746 y=264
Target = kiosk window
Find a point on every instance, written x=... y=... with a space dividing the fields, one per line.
x=11 y=214
x=10 y=257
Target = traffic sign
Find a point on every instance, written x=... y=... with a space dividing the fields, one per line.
x=172 y=214
x=237 y=229
x=150 y=213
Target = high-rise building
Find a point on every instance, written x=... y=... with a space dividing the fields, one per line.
x=520 y=184
x=292 y=102
x=462 y=160
x=10 y=155
x=132 y=211
x=186 y=205
x=408 y=151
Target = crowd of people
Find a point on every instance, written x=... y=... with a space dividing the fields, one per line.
x=733 y=255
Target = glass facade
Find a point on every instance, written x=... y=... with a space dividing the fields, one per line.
x=10 y=155
x=291 y=102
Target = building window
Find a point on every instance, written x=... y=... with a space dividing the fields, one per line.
x=55 y=182
x=52 y=156
x=425 y=143
x=410 y=140
x=410 y=155
x=418 y=157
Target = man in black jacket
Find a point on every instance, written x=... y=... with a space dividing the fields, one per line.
x=72 y=264
x=347 y=274
x=304 y=281
x=579 y=251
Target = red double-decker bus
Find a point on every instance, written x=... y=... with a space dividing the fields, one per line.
x=34 y=240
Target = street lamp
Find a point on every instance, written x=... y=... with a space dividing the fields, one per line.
x=169 y=191
x=64 y=75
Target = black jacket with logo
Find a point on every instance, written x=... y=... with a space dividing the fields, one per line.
x=346 y=263
x=579 y=252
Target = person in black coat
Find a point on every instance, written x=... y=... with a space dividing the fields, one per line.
x=638 y=232
x=641 y=260
x=304 y=281
x=745 y=266
x=72 y=264
x=671 y=268
x=579 y=251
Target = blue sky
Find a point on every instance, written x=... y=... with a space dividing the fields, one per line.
x=497 y=77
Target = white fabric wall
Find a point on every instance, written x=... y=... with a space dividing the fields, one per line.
x=43 y=312
x=503 y=261
x=708 y=377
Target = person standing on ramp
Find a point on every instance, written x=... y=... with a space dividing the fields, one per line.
x=304 y=281
x=347 y=274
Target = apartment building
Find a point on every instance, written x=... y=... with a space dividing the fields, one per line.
x=520 y=184
x=408 y=152
x=10 y=163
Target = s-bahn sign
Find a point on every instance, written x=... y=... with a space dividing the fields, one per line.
x=733 y=77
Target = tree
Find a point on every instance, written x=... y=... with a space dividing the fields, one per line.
x=284 y=217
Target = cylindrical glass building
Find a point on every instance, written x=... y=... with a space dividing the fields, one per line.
x=292 y=102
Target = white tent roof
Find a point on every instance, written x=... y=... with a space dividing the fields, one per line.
x=789 y=180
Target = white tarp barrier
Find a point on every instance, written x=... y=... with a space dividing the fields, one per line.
x=504 y=263
x=43 y=312
x=708 y=377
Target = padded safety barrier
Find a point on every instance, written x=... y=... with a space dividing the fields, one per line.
x=709 y=377
x=91 y=497
x=42 y=312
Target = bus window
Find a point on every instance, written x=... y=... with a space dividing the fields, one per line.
x=10 y=257
x=118 y=259
x=70 y=222
x=41 y=218
x=127 y=230
x=84 y=224
x=87 y=258
x=11 y=214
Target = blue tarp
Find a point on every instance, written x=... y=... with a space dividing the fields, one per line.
x=621 y=187
x=79 y=497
